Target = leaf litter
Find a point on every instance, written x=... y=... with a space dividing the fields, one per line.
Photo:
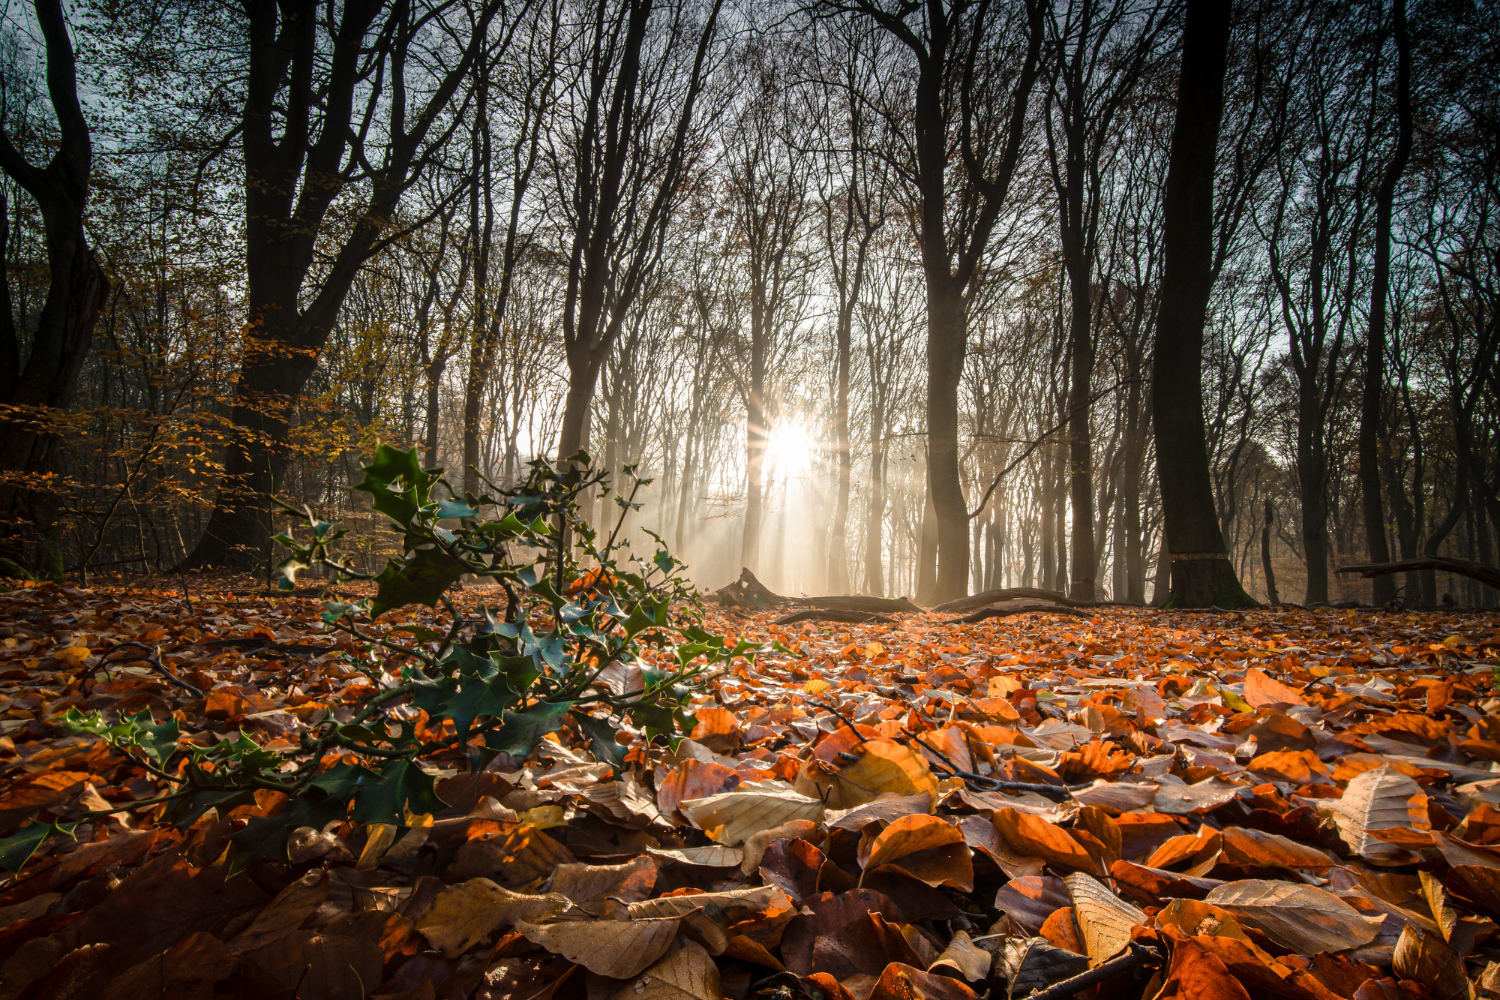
x=1290 y=804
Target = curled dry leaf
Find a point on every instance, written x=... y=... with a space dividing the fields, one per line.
x=966 y=958
x=629 y=882
x=1428 y=959
x=899 y=981
x=925 y=847
x=1301 y=918
x=1032 y=835
x=463 y=915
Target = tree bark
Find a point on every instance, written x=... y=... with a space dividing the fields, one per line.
x=1202 y=574
x=76 y=289
x=1384 y=588
x=1265 y=555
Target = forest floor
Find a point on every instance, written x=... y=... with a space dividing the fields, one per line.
x=1274 y=803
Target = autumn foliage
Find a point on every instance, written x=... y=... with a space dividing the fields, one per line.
x=1290 y=804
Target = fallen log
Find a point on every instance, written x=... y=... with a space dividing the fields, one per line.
x=1462 y=567
x=832 y=615
x=1008 y=594
x=1046 y=609
x=748 y=592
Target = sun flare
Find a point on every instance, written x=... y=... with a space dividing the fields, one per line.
x=789 y=448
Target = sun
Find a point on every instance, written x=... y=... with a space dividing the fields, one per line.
x=789 y=448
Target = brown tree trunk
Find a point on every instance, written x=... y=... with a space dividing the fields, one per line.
x=947 y=343
x=1384 y=587
x=76 y=292
x=1201 y=572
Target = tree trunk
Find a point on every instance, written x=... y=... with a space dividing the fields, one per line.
x=1384 y=587
x=1311 y=480
x=1080 y=439
x=947 y=343
x=1201 y=573
x=76 y=292
x=434 y=373
x=875 y=513
x=1265 y=555
x=838 y=548
x=756 y=434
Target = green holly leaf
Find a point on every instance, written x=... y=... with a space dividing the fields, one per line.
x=18 y=848
x=521 y=731
x=402 y=786
x=601 y=734
x=421 y=578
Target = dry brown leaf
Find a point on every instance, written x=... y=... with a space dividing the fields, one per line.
x=925 y=847
x=1202 y=796
x=1033 y=835
x=1382 y=799
x=463 y=915
x=1104 y=919
x=286 y=913
x=966 y=958
x=1260 y=849
x=1261 y=689
x=685 y=972
x=619 y=949
x=903 y=982
x=756 y=844
x=732 y=817
x=1428 y=959
x=886 y=809
x=712 y=856
x=630 y=882
x=1301 y=918
x=1030 y=899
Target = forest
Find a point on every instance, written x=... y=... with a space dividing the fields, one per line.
x=870 y=293
x=749 y=500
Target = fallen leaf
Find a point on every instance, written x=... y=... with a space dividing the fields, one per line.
x=685 y=972
x=732 y=817
x=1301 y=918
x=619 y=949
x=925 y=847
x=1428 y=959
x=965 y=957
x=1376 y=800
x=463 y=915
x=1103 y=918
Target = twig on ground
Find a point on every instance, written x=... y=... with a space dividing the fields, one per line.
x=155 y=660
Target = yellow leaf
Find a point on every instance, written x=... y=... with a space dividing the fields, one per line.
x=73 y=656
x=816 y=686
x=543 y=817
x=874 y=649
x=885 y=766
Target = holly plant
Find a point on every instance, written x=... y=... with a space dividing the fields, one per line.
x=564 y=648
